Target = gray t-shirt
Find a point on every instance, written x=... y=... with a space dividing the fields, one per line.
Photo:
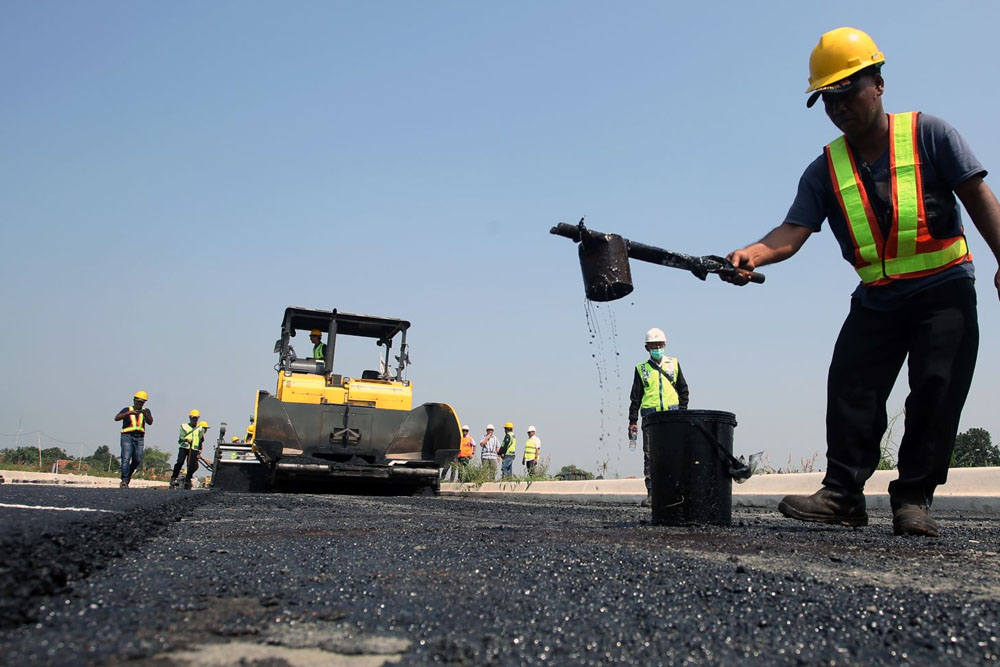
x=946 y=162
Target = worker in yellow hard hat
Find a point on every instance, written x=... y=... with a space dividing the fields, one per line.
x=888 y=186
x=189 y=441
x=319 y=347
x=133 y=436
x=508 y=450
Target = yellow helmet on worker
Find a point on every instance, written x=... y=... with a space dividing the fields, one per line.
x=194 y=413
x=141 y=395
x=315 y=332
x=839 y=54
x=202 y=424
x=508 y=425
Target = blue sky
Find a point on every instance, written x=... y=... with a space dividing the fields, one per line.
x=175 y=174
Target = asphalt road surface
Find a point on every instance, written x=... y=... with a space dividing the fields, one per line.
x=202 y=578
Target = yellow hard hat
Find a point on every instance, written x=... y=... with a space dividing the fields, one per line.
x=251 y=428
x=141 y=395
x=508 y=425
x=236 y=438
x=315 y=332
x=202 y=424
x=194 y=413
x=839 y=54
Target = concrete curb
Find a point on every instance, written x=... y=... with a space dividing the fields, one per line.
x=968 y=489
x=23 y=477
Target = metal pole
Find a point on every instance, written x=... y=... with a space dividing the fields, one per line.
x=38 y=434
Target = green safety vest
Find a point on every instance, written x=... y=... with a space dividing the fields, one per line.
x=135 y=424
x=659 y=393
x=191 y=437
x=319 y=349
x=910 y=251
x=511 y=447
x=531 y=448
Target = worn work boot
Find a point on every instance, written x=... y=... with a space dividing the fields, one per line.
x=913 y=519
x=827 y=506
x=123 y=484
x=646 y=502
x=173 y=482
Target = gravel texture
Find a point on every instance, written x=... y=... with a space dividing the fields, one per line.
x=45 y=550
x=310 y=579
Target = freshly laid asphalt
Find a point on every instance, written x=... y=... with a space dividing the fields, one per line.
x=203 y=578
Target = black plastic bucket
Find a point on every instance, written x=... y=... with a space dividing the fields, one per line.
x=604 y=263
x=689 y=476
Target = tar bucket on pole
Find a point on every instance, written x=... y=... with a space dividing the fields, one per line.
x=690 y=471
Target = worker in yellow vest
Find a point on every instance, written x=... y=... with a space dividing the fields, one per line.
x=532 y=451
x=190 y=440
x=319 y=347
x=508 y=450
x=134 y=421
x=658 y=385
x=466 y=450
x=887 y=185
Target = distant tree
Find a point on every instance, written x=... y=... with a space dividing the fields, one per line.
x=154 y=461
x=975 y=449
x=102 y=459
x=573 y=472
x=52 y=454
x=21 y=456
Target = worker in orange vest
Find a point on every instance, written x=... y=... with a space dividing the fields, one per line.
x=466 y=450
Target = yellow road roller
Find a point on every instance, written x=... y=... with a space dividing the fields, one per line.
x=326 y=431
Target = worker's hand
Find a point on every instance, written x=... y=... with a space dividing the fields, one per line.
x=744 y=263
x=633 y=430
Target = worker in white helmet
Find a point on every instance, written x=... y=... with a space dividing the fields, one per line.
x=658 y=385
x=489 y=447
x=532 y=451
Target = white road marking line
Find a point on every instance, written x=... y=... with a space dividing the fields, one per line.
x=58 y=509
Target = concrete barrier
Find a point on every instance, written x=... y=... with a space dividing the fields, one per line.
x=968 y=489
x=23 y=477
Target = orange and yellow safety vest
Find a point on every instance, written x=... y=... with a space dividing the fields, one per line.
x=909 y=251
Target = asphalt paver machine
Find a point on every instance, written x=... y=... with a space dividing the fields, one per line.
x=322 y=430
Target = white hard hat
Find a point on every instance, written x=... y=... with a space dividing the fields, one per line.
x=655 y=335
x=489 y=427
x=531 y=429
x=465 y=427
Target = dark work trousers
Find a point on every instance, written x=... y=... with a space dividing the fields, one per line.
x=189 y=455
x=937 y=331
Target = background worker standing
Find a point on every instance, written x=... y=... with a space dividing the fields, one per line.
x=532 y=451
x=887 y=187
x=489 y=447
x=658 y=385
x=508 y=450
x=189 y=442
x=134 y=421
x=466 y=450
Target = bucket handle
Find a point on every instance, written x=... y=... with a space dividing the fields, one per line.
x=738 y=470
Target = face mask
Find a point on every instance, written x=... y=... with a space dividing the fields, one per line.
x=656 y=354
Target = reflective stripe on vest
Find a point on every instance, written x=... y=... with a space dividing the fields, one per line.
x=137 y=423
x=659 y=395
x=465 y=449
x=531 y=448
x=318 y=351
x=910 y=251
x=194 y=436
